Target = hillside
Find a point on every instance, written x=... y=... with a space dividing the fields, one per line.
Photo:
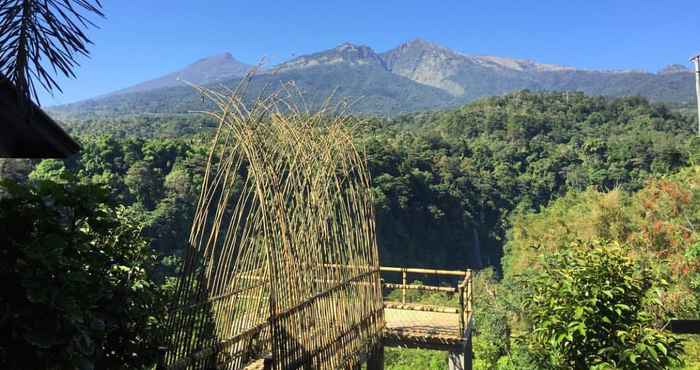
x=417 y=75
x=450 y=188
x=449 y=179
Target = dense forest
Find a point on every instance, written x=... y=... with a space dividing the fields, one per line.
x=444 y=183
x=507 y=185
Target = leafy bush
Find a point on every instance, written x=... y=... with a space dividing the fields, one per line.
x=409 y=359
x=589 y=308
x=76 y=289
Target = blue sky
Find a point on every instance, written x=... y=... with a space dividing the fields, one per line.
x=143 y=39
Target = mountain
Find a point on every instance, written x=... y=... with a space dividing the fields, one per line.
x=205 y=71
x=352 y=73
x=469 y=77
x=674 y=68
x=460 y=74
x=417 y=75
x=346 y=53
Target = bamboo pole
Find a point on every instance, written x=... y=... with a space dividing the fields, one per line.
x=429 y=288
x=461 y=311
x=423 y=271
x=403 y=287
x=470 y=292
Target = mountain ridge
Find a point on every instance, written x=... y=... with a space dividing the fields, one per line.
x=218 y=67
x=417 y=74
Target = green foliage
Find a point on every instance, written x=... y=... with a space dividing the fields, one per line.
x=143 y=126
x=455 y=189
x=492 y=333
x=453 y=178
x=657 y=223
x=410 y=359
x=588 y=307
x=76 y=288
x=445 y=179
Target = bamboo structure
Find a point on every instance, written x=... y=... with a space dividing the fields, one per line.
x=285 y=200
x=413 y=325
x=439 y=324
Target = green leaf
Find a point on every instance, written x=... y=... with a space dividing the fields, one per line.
x=662 y=348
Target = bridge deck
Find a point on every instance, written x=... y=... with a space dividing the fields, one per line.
x=414 y=325
x=417 y=329
x=424 y=324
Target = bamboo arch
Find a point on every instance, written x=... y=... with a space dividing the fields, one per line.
x=283 y=257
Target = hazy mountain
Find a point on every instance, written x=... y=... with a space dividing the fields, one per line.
x=416 y=75
x=215 y=68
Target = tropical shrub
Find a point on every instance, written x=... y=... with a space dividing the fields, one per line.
x=589 y=308
x=76 y=289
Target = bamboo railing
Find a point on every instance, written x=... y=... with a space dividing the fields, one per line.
x=463 y=289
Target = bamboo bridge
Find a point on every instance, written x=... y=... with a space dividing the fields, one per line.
x=416 y=325
x=282 y=267
x=406 y=324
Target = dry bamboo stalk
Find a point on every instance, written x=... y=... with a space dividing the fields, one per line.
x=285 y=196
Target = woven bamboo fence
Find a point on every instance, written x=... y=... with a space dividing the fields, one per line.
x=285 y=201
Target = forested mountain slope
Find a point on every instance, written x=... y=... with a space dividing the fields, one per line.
x=444 y=182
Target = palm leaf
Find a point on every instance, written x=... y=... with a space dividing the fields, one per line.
x=42 y=38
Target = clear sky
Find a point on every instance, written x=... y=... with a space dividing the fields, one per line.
x=142 y=39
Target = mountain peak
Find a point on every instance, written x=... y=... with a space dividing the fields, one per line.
x=346 y=53
x=204 y=71
x=419 y=41
x=431 y=71
x=673 y=68
x=224 y=57
x=422 y=44
x=427 y=63
x=348 y=46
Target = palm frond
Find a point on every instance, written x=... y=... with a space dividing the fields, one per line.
x=42 y=38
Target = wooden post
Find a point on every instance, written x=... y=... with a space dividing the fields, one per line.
x=403 y=286
x=461 y=358
x=468 y=354
x=267 y=362
x=461 y=310
x=696 y=60
x=470 y=292
x=376 y=358
x=162 y=350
